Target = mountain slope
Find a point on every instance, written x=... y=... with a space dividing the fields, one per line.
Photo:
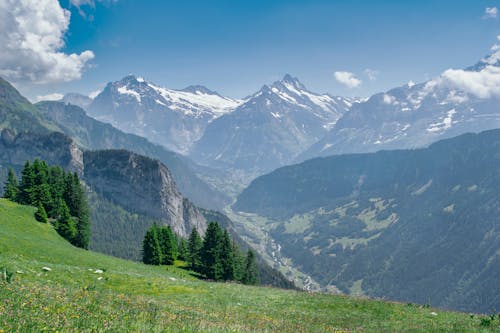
x=413 y=225
x=142 y=185
x=457 y=102
x=95 y=135
x=269 y=129
x=172 y=118
x=17 y=113
x=86 y=291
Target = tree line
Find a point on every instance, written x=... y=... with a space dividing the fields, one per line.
x=215 y=257
x=58 y=196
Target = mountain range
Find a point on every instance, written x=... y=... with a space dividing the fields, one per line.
x=415 y=115
x=127 y=192
x=172 y=118
x=285 y=123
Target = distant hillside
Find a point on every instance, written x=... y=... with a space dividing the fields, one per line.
x=62 y=288
x=413 y=225
x=95 y=135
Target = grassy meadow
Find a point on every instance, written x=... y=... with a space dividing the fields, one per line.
x=56 y=287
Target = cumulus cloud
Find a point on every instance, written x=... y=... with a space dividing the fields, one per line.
x=372 y=74
x=483 y=84
x=490 y=12
x=31 y=39
x=49 y=97
x=348 y=79
x=483 y=81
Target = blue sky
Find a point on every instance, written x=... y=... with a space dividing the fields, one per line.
x=235 y=47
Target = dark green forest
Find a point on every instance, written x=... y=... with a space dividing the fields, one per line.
x=58 y=195
x=215 y=257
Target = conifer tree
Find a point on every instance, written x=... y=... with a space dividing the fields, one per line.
x=168 y=245
x=250 y=274
x=11 y=188
x=211 y=265
x=80 y=212
x=27 y=187
x=182 y=249
x=41 y=214
x=226 y=257
x=194 y=247
x=65 y=225
x=239 y=262
x=151 y=250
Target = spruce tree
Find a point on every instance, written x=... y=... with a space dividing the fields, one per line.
x=41 y=214
x=27 y=187
x=11 y=188
x=239 y=262
x=182 y=249
x=65 y=225
x=226 y=257
x=211 y=265
x=81 y=213
x=250 y=274
x=168 y=245
x=151 y=250
x=194 y=247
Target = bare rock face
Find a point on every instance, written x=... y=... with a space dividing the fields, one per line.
x=55 y=148
x=142 y=185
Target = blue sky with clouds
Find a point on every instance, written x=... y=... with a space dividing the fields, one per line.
x=235 y=47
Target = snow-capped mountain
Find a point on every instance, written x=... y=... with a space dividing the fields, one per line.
x=415 y=115
x=172 y=118
x=270 y=128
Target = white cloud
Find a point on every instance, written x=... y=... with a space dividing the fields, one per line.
x=90 y=3
x=31 y=39
x=372 y=74
x=483 y=84
x=49 y=97
x=490 y=12
x=348 y=79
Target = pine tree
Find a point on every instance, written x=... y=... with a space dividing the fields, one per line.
x=65 y=225
x=211 y=265
x=194 y=247
x=250 y=274
x=239 y=262
x=56 y=184
x=27 y=188
x=41 y=214
x=151 y=250
x=226 y=257
x=81 y=213
x=11 y=188
x=168 y=245
x=182 y=249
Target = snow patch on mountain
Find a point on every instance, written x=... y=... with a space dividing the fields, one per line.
x=125 y=91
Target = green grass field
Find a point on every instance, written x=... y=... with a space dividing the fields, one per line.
x=131 y=297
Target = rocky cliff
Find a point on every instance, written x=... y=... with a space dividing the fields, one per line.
x=142 y=185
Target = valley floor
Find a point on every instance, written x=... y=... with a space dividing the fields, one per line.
x=57 y=287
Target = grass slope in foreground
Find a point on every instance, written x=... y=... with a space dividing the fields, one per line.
x=74 y=296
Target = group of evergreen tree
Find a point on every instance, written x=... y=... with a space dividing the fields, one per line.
x=58 y=196
x=215 y=257
x=160 y=246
